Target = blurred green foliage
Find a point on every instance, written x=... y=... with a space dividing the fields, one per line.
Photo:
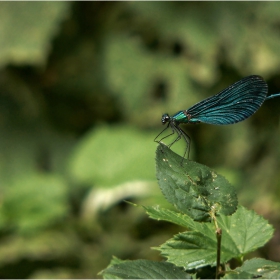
x=83 y=86
x=117 y=159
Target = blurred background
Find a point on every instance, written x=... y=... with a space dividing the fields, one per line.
x=83 y=86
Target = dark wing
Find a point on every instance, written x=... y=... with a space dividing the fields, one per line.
x=233 y=104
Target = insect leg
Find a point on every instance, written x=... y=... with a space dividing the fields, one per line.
x=187 y=139
x=181 y=133
x=177 y=129
x=158 y=141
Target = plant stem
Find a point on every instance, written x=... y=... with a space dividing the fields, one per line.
x=219 y=241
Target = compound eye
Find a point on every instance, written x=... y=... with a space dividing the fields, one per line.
x=165 y=118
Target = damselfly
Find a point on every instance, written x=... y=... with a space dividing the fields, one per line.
x=233 y=104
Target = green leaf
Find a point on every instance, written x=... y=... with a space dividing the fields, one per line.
x=256 y=268
x=114 y=261
x=112 y=155
x=159 y=213
x=37 y=21
x=242 y=233
x=245 y=231
x=193 y=188
x=145 y=269
x=34 y=202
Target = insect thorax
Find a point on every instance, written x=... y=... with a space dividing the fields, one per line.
x=181 y=117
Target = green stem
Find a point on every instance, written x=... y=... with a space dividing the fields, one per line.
x=219 y=241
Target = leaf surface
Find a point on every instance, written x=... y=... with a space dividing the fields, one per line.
x=243 y=232
x=145 y=269
x=193 y=188
x=256 y=268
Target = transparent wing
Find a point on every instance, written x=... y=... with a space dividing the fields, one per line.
x=233 y=104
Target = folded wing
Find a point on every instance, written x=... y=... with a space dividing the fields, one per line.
x=233 y=104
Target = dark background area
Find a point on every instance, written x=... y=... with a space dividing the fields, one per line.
x=83 y=86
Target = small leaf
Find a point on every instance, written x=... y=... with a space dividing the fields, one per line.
x=159 y=213
x=256 y=268
x=242 y=233
x=193 y=188
x=145 y=269
x=245 y=231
